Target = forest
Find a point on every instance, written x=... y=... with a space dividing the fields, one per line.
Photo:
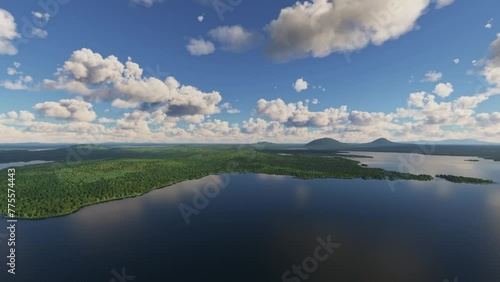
x=86 y=175
x=462 y=179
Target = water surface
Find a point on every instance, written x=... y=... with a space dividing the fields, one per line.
x=259 y=226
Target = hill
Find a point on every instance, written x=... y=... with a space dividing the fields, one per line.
x=326 y=144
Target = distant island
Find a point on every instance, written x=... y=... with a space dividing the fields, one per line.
x=462 y=179
x=82 y=175
x=107 y=174
x=472 y=160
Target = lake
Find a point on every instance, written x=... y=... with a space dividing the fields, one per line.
x=246 y=227
x=18 y=164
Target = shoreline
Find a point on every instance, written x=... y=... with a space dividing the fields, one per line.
x=233 y=173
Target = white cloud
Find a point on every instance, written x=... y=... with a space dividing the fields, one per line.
x=492 y=68
x=18 y=118
x=199 y=47
x=229 y=108
x=8 y=33
x=122 y=104
x=38 y=32
x=107 y=79
x=67 y=109
x=300 y=85
x=146 y=3
x=486 y=119
x=443 y=90
x=433 y=76
x=106 y=120
x=298 y=115
x=21 y=83
x=41 y=16
x=234 y=38
x=233 y=111
x=315 y=101
x=456 y=61
x=322 y=27
x=201 y=18
x=443 y=3
x=489 y=24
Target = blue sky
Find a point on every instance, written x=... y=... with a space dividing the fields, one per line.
x=364 y=63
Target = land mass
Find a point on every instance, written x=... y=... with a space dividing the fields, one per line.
x=82 y=175
x=462 y=179
x=63 y=187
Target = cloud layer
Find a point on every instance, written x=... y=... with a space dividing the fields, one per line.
x=322 y=27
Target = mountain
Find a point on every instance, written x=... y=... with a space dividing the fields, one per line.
x=381 y=142
x=455 y=142
x=326 y=143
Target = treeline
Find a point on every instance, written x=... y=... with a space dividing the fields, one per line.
x=462 y=179
x=61 y=188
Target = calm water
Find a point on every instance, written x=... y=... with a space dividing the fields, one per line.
x=18 y=164
x=259 y=226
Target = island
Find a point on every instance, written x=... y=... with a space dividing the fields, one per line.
x=82 y=175
x=105 y=174
x=462 y=179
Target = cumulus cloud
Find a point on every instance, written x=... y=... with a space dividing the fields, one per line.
x=38 y=32
x=298 y=115
x=201 y=18
x=423 y=110
x=491 y=70
x=8 y=33
x=20 y=118
x=229 y=108
x=300 y=85
x=234 y=38
x=107 y=79
x=433 y=76
x=485 y=119
x=41 y=16
x=322 y=27
x=200 y=47
x=315 y=101
x=122 y=104
x=443 y=90
x=67 y=109
x=135 y=121
x=443 y=3
x=22 y=82
x=456 y=61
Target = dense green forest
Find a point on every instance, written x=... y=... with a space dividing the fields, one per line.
x=105 y=174
x=462 y=179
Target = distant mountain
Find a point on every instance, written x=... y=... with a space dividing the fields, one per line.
x=381 y=142
x=455 y=142
x=89 y=147
x=332 y=144
x=326 y=143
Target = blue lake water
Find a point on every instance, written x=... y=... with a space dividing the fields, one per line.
x=18 y=164
x=257 y=227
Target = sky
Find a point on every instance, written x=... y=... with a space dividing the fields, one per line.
x=240 y=71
